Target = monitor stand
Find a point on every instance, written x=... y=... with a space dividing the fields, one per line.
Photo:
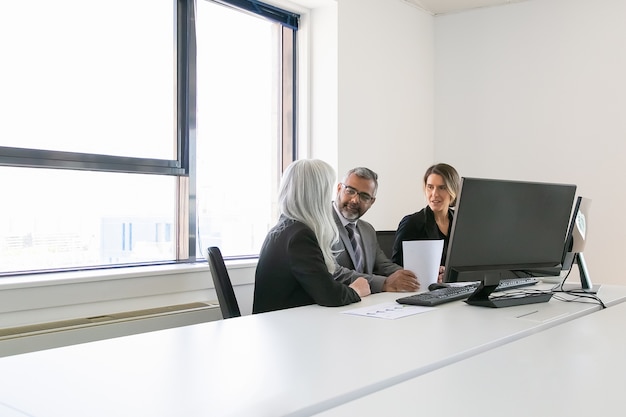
x=481 y=297
x=585 y=285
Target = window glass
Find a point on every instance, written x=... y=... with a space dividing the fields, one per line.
x=90 y=77
x=237 y=128
x=62 y=219
x=100 y=78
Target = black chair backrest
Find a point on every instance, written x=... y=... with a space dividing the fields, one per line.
x=223 y=287
x=386 y=239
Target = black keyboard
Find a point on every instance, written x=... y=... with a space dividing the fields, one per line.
x=439 y=296
x=509 y=284
x=447 y=294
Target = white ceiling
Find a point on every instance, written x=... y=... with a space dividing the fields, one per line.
x=450 y=6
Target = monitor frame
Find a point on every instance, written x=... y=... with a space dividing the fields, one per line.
x=536 y=213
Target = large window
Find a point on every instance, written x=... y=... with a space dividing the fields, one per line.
x=141 y=131
x=88 y=76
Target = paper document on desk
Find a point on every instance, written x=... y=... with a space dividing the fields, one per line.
x=423 y=258
x=391 y=311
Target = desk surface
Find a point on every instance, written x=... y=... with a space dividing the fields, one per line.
x=574 y=369
x=293 y=362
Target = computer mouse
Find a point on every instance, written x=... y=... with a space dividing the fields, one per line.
x=436 y=286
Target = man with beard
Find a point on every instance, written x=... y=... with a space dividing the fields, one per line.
x=358 y=253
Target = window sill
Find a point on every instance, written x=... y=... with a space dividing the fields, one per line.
x=40 y=298
x=110 y=274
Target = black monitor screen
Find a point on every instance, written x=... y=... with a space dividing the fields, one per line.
x=508 y=228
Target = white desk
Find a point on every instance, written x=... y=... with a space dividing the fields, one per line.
x=574 y=369
x=293 y=362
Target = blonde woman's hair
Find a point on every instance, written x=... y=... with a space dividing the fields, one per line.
x=305 y=195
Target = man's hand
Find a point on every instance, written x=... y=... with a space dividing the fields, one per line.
x=402 y=280
x=361 y=286
x=442 y=270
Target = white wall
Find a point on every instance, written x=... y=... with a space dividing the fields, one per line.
x=320 y=140
x=536 y=91
x=370 y=96
x=385 y=96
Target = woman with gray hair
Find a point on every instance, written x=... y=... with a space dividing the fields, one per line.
x=296 y=261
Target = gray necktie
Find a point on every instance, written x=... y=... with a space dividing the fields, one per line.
x=356 y=245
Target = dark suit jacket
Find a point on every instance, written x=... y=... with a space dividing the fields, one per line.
x=377 y=265
x=420 y=226
x=291 y=272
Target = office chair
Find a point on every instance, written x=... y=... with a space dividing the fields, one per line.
x=386 y=239
x=223 y=287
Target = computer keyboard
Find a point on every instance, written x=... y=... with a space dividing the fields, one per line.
x=439 y=296
x=448 y=294
x=509 y=284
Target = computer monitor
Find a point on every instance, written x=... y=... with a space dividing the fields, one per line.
x=505 y=229
x=574 y=246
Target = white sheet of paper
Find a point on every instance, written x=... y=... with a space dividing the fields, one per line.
x=389 y=311
x=423 y=258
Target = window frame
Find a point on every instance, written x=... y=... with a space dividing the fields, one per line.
x=184 y=166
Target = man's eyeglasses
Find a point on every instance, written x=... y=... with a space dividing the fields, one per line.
x=351 y=192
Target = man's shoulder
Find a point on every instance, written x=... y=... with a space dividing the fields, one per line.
x=363 y=225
